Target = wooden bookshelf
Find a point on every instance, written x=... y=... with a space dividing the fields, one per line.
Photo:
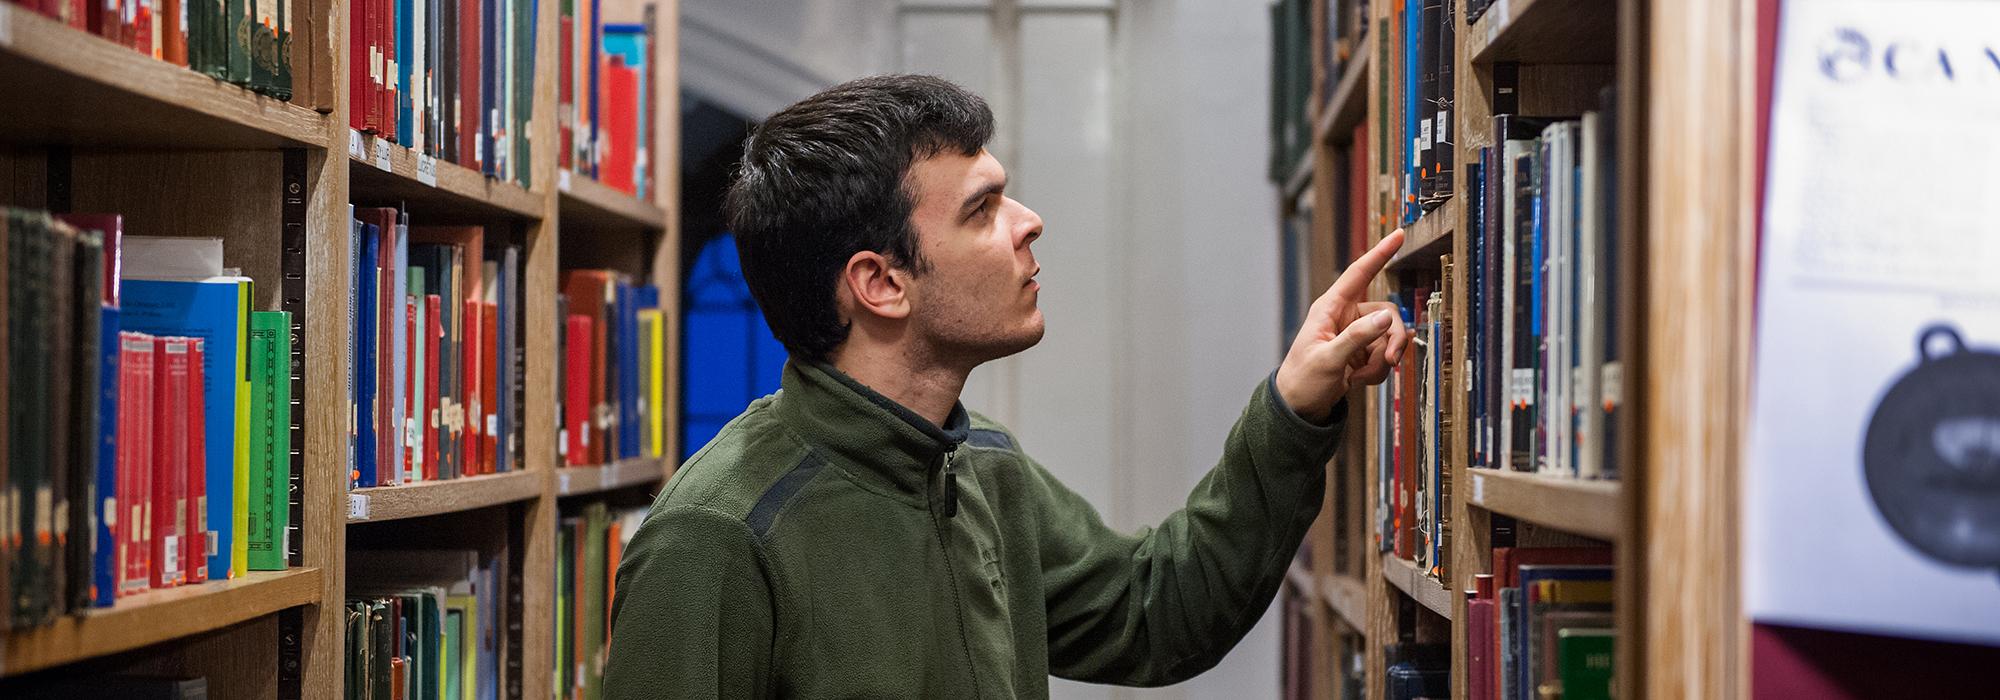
x=1684 y=269
x=384 y=172
x=381 y=503
x=587 y=202
x=181 y=153
x=160 y=616
x=1348 y=105
x=64 y=86
x=1582 y=506
x=1544 y=31
x=1413 y=582
x=577 y=481
x=1430 y=236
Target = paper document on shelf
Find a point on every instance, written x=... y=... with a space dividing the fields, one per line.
x=1872 y=497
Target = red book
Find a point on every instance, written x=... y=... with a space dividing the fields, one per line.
x=370 y=98
x=142 y=26
x=588 y=292
x=455 y=389
x=433 y=332
x=392 y=76
x=621 y=126
x=77 y=13
x=566 y=93
x=577 y=332
x=132 y=512
x=170 y=429
x=110 y=226
x=471 y=119
x=1507 y=561
x=489 y=385
x=173 y=34
x=471 y=435
x=357 y=65
x=194 y=539
x=1482 y=636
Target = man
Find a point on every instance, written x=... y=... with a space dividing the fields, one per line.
x=860 y=534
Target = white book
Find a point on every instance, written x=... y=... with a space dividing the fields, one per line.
x=1590 y=346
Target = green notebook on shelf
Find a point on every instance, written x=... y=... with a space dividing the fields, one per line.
x=270 y=438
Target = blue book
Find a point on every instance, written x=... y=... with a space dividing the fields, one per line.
x=365 y=358
x=510 y=357
x=487 y=115
x=103 y=545
x=1412 y=28
x=628 y=371
x=405 y=87
x=212 y=310
x=354 y=232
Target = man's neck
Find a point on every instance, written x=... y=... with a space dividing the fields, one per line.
x=925 y=388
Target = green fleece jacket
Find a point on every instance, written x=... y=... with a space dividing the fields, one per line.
x=830 y=543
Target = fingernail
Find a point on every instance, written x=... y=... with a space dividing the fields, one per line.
x=1379 y=318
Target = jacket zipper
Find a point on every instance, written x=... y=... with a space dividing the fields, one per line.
x=948 y=481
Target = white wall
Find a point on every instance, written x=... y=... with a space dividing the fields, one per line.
x=1137 y=129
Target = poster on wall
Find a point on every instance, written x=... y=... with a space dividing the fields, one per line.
x=1872 y=498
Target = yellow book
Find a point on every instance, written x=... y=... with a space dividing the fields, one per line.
x=655 y=325
x=469 y=650
x=239 y=496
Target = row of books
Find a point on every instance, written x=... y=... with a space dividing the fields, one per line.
x=607 y=85
x=1541 y=625
x=451 y=79
x=160 y=448
x=1426 y=34
x=1546 y=377
x=588 y=547
x=1413 y=483
x=436 y=377
x=1346 y=28
x=424 y=624
x=613 y=346
x=246 y=42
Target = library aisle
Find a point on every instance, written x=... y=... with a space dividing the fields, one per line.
x=345 y=338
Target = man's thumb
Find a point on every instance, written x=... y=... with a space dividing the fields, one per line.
x=1356 y=336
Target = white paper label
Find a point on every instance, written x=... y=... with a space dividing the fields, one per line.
x=562 y=483
x=357 y=507
x=170 y=546
x=1416 y=152
x=1424 y=135
x=427 y=170
x=1479 y=489
x=354 y=148
x=1522 y=388
x=1443 y=119
x=382 y=155
x=1611 y=384
x=562 y=438
x=492 y=424
x=562 y=180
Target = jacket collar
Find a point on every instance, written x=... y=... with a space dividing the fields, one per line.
x=879 y=440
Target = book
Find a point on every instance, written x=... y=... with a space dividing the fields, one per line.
x=133 y=516
x=195 y=539
x=1585 y=661
x=270 y=439
x=171 y=425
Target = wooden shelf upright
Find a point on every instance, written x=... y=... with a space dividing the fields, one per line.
x=90 y=125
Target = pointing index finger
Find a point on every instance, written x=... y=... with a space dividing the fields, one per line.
x=1353 y=284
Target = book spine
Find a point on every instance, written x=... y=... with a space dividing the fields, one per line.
x=195 y=538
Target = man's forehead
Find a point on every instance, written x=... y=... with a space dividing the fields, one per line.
x=950 y=173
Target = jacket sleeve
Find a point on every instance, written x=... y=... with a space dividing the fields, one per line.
x=693 y=614
x=1168 y=603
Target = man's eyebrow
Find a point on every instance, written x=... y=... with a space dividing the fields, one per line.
x=990 y=189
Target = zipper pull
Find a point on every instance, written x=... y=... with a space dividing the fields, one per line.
x=950 y=486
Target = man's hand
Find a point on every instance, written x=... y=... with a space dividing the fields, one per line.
x=1345 y=340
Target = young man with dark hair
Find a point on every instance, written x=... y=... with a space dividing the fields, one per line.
x=861 y=534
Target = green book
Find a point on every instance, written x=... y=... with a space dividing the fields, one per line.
x=270 y=438
x=236 y=24
x=596 y=522
x=1584 y=662
x=454 y=643
x=565 y=595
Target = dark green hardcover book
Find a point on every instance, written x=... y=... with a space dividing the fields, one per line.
x=52 y=494
x=566 y=533
x=281 y=84
x=10 y=333
x=357 y=651
x=263 y=47
x=87 y=283
x=236 y=25
x=1584 y=662
x=270 y=437
x=381 y=649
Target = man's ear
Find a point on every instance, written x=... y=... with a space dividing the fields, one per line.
x=875 y=287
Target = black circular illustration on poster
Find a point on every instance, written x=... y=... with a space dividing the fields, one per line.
x=1932 y=453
